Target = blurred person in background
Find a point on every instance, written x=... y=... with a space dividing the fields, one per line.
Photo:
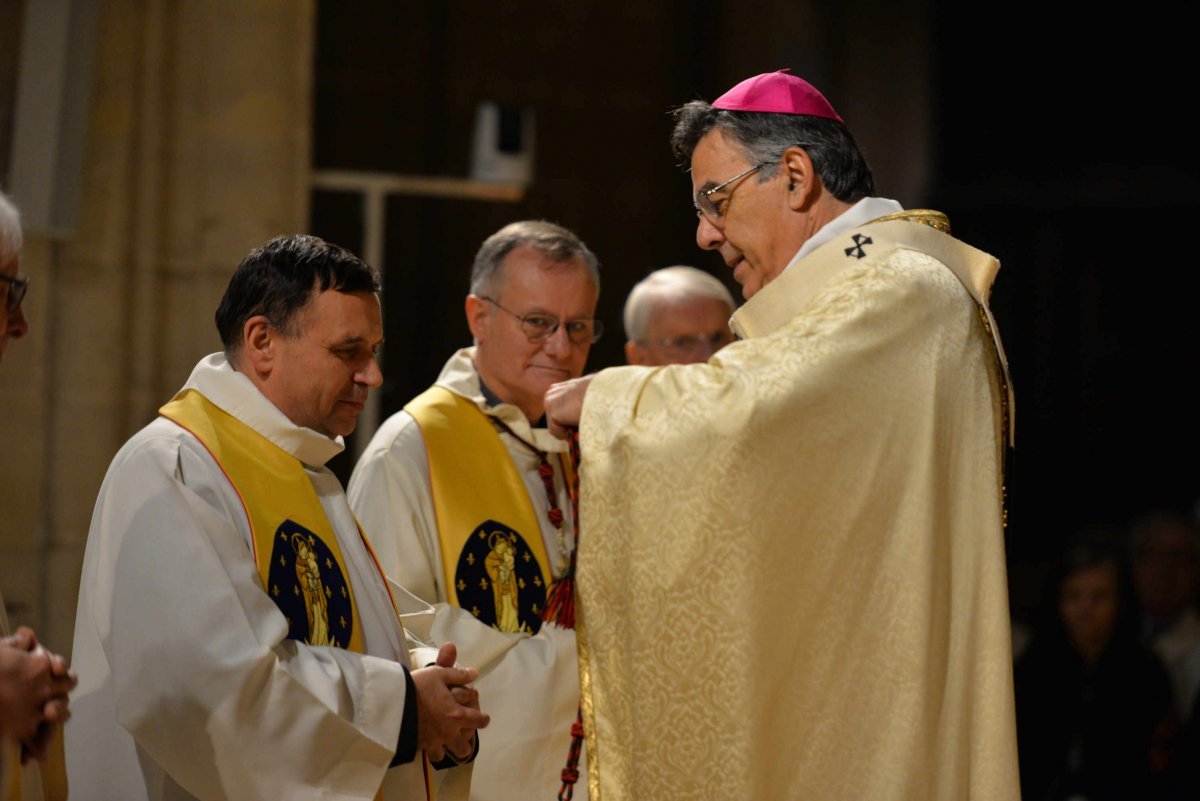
x=34 y=683
x=13 y=284
x=1165 y=559
x=677 y=315
x=1094 y=709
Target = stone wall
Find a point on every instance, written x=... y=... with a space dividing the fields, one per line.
x=198 y=150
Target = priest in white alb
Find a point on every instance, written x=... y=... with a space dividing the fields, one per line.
x=235 y=636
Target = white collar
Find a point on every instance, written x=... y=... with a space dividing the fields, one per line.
x=861 y=213
x=214 y=378
x=460 y=377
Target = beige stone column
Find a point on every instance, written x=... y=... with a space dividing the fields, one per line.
x=198 y=151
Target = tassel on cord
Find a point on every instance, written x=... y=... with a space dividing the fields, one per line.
x=560 y=609
x=560 y=598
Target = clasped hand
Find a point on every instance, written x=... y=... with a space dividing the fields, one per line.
x=448 y=713
x=34 y=687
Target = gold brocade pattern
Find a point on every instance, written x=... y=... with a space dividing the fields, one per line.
x=794 y=561
x=940 y=222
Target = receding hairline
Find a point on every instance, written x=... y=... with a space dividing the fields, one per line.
x=549 y=262
x=676 y=281
x=558 y=243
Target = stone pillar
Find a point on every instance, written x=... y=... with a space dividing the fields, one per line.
x=198 y=151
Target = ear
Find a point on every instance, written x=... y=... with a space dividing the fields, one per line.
x=258 y=345
x=802 y=178
x=478 y=315
x=636 y=354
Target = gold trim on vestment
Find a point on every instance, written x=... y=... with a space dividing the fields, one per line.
x=934 y=219
x=587 y=706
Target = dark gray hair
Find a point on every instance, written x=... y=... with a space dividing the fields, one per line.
x=551 y=239
x=764 y=136
x=278 y=279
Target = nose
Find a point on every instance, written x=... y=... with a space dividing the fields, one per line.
x=18 y=326
x=708 y=236
x=370 y=375
x=558 y=345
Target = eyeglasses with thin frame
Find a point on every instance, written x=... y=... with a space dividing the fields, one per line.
x=539 y=326
x=715 y=210
x=17 y=287
x=691 y=344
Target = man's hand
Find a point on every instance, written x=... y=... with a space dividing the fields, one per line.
x=448 y=711
x=564 y=404
x=467 y=696
x=34 y=684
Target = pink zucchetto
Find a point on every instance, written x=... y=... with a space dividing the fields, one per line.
x=777 y=93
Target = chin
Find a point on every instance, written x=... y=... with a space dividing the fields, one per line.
x=544 y=379
x=750 y=285
x=340 y=428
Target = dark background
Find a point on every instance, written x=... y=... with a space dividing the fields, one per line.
x=1059 y=141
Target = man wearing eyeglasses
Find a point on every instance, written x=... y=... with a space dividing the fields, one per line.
x=811 y=523
x=468 y=500
x=12 y=284
x=677 y=315
x=34 y=683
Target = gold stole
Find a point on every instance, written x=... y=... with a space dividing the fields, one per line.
x=494 y=562
x=295 y=549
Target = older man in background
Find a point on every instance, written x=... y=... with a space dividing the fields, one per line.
x=13 y=285
x=34 y=683
x=677 y=315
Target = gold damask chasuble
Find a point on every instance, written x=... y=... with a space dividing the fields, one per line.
x=493 y=559
x=791 y=580
x=295 y=549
